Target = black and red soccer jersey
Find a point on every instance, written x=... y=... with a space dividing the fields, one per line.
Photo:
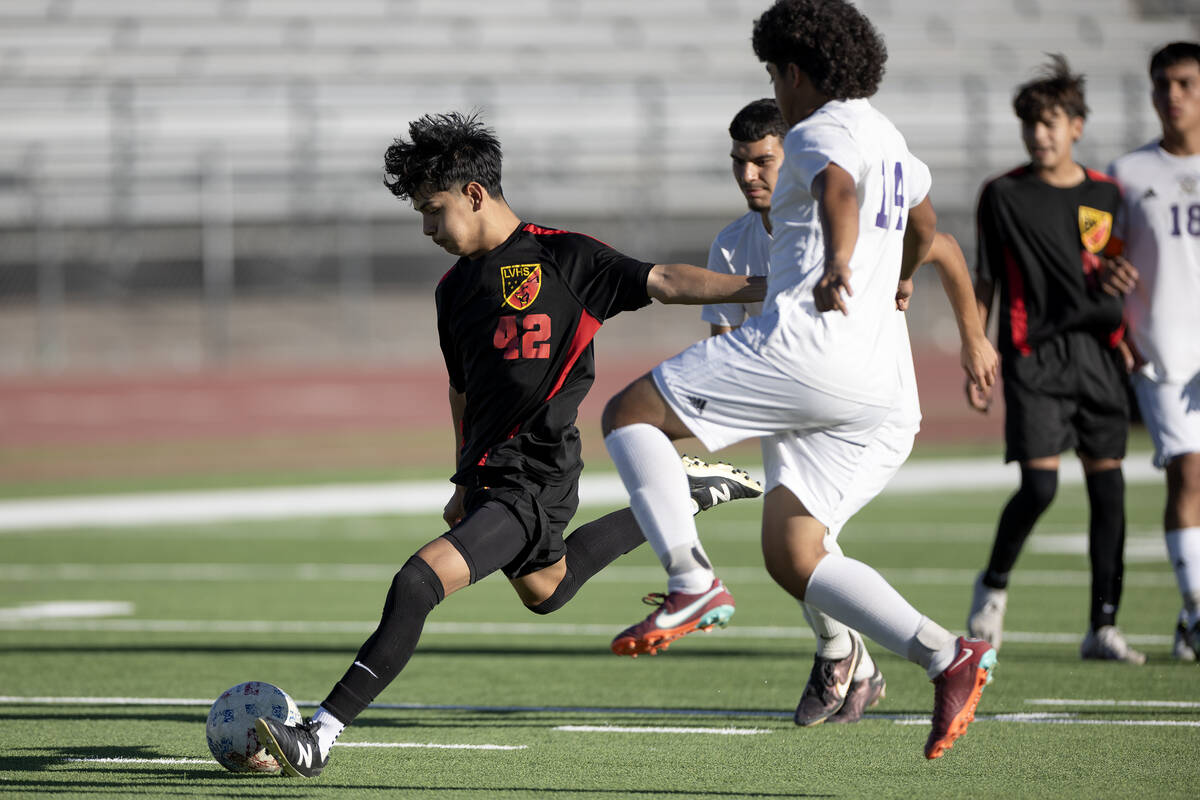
x=1042 y=245
x=516 y=330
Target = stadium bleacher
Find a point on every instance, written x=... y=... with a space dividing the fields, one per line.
x=122 y=115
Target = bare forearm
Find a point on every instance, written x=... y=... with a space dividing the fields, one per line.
x=919 y=238
x=692 y=285
x=951 y=266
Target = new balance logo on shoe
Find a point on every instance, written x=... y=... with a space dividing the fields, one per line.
x=295 y=747
x=712 y=484
x=304 y=755
x=721 y=494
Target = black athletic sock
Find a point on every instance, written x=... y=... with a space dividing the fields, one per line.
x=415 y=590
x=591 y=548
x=1106 y=543
x=1031 y=499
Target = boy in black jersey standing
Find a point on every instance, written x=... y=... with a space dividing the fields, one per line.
x=516 y=317
x=1043 y=229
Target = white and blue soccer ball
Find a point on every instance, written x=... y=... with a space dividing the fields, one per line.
x=231 y=734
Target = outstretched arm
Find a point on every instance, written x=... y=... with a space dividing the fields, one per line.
x=979 y=358
x=691 y=285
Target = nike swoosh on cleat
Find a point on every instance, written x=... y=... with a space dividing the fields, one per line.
x=966 y=654
x=676 y=618
x=844 y=686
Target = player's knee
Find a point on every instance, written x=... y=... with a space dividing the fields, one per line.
x=1106 y=492
x=1038 y=487
x=416 y=585
x=1183 y=492
x=618 y=412
x=558 y=598
x=630 y=405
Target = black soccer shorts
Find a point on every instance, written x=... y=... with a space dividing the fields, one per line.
x=1069 y=393
x=514 y=525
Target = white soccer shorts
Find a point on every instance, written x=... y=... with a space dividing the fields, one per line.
x=724 y=391
x=1171 y=412
x=886 y=453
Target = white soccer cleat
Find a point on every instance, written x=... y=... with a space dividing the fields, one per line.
x=986 y=618
x=1107 y=643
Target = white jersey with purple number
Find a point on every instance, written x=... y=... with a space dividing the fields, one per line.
x=853 y=356
x=1160 y=225
x=743 y=247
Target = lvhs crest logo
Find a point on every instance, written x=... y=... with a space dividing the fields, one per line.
x=1095 y=226
x=521 y=284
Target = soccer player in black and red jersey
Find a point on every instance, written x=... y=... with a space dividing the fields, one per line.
x=516 y=317
x=1043 y=230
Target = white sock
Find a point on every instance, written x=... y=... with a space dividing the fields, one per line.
x=833 y=638
x=331 y=728
x=1183 y=549
x=866 y=667
x=658 y=494
x=856 y=594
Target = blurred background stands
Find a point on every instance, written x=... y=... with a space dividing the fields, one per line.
x=198 y=183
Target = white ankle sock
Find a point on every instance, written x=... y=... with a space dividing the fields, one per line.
x=331 y=728
x=658 y=494
x=866 y=667
x=833 y=638
x=859 y=596
x=1183 y=549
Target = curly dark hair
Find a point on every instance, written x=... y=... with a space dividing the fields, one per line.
x=446 y=151
x=1055 y=87
x=758 y=120
x=829 y=40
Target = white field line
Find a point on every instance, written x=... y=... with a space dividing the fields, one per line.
x=1047 y=701
x=157 y=761
x=425 y=497
x=1062 y=719
x=297 y=627
x=625 y=729
x=434 y=746
x=1055 y=718
x=357 y=573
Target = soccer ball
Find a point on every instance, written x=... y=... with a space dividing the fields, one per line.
x=231 y=735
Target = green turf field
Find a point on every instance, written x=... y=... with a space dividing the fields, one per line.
x=114 y=704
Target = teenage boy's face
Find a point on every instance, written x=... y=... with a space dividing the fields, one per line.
x=1176 y=96
x=756 y=168
x=448 y=217
x=1049 y=139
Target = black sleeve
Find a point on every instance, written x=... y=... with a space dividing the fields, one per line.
x=989 y=256
x=446 y=338
x=606 y=281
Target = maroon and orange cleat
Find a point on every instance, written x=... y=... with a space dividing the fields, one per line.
x=956 y=693
x=678 y=614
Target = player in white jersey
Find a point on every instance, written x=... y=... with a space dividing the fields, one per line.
x=814 y=375
x=845 y=679
x=1160 y=226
